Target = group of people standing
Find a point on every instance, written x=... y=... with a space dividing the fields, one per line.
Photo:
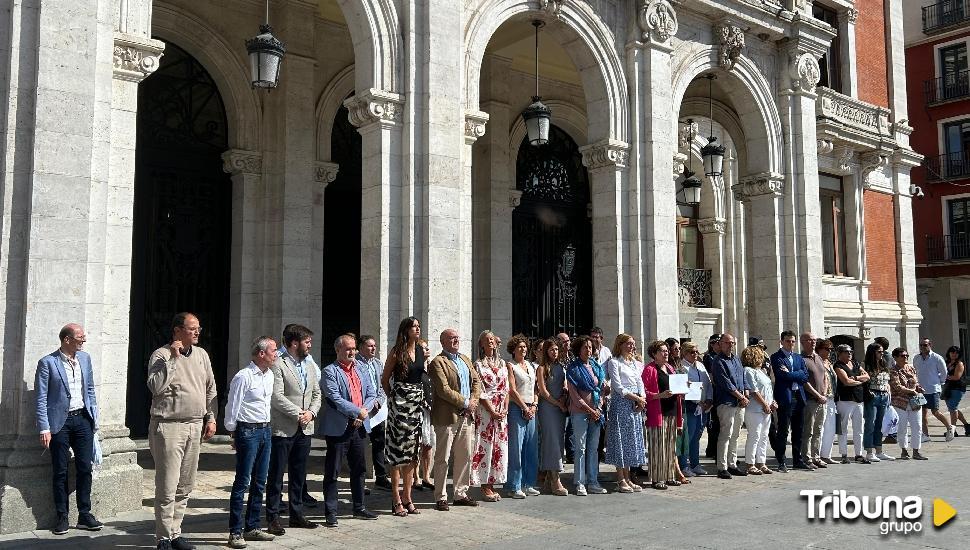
x=511 y=422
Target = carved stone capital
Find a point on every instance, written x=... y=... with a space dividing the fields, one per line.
x=515 y=198
x=851 y=15
x=824 y=146
x=375 y=106
x=730 y=40
x=240 y=161
x=552 y=7
x=326 y=172
x=845 y=157
x=605 y=154
x=657 y=20
x=873 y=170
x=475 y=122
x=709 y=226
x=760 y=185
x=135 y=57
x=680 y=160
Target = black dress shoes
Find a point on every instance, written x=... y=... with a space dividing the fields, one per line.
x=331 y=521
x=181 y=544
x=302 y=523
x=364 y=513
x=274 y=528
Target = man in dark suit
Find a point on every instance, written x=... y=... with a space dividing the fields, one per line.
x=67 y=418
x=349 y=400
x=790 y=377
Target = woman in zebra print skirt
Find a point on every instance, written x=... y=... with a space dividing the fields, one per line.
x=402 y=383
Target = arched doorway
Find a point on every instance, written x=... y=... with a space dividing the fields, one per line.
x=552 y=258
x=181 y=235
x=341 y=237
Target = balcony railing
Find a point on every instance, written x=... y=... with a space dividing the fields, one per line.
x=947 y=248
x=948 y=167
x=838 y=112
x=695 y=286
x=945 y=14
x=951 y=86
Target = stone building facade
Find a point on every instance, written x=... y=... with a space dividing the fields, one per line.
x=387 y=176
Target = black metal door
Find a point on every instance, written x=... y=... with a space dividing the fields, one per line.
x=181 y=243
x=552 y=259
x=341 y=239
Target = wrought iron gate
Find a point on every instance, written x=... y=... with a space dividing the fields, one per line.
x=552 y=256
x=181 y=244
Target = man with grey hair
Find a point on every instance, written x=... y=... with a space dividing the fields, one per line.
x=247 y=421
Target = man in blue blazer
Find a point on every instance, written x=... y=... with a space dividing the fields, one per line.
x=790 y=377
x=67 y=418
x=349 y=400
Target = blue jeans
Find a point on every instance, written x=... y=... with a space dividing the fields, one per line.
x=586 y=440
x=695 y=426
x=523 y=450
x=252 y=465
x=873 y=412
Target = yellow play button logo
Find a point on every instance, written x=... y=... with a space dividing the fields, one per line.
x=942 y=512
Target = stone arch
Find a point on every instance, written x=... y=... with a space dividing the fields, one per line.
x=378 y=43
x=570 y=118
x=590 y=44
x=330 y=102
x=759 y=119
x=223 y=63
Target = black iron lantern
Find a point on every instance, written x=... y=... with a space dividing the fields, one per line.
x=691 y=185
x=537 y=115
x=265 y=56
x=712 y=153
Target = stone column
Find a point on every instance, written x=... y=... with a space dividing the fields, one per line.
x=765 y=246
x=377 y=115
x=847 y=53
x=606 y=162
x=246 y=320
x=802 y=246
x=652 y=265
x=65 y=234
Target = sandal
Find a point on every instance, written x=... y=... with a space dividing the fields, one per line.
x=403 y=513
x=409 y=506
x=674 y=483
x=490 y=497
x=684 y=481
x=659 y=485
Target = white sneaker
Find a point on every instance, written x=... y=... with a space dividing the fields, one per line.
x=950 y=433
x=532 y=491
x=580 y=491
x=517 y=494
x=884 y=456
x=689 y=473
x=924 y=438
x=699 y=470
x=871 y=455
x=597 y=490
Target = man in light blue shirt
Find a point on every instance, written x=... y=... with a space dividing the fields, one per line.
x=931 y=371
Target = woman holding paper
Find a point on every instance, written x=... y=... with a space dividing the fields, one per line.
x=624 y=424
x=696 y=412
x=757 y=415
x=664 y=417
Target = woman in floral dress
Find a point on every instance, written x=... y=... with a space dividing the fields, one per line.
x=490 y=459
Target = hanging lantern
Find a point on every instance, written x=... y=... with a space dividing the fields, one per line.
x=712 y=153
x=537 y=116
x=692 y=187
x=265 y=56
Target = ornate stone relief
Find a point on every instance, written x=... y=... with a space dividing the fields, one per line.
x=730 y=39
x=326 y=172
x=804 y=72
x=552 y=7
x=515 y=198
x=657 y=21
x=680 y=160
x=135 y=58
x=688 y=131
x=845 y=159
x=759 y=185
x=605 y=154
x=873 y=170
x=240 y=161
x=825 y=146
x=374 y=106
x=708 y=226
x=852 y=15
x=475 y=122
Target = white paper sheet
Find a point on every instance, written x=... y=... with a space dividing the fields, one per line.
x=379 y=416
x=678 y=383
x=695 y=391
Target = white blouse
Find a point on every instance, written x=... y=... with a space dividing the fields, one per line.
x=625 y=376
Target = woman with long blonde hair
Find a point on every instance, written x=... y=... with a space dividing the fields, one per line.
x=624 y=423
x=490 y=458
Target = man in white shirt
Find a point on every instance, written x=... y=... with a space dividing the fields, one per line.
x=600 y=352
x=931 y=371
x=247 y=421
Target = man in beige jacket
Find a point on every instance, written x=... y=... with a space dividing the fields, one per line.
x=294 y=405
x=182 y=415
x=456 y=389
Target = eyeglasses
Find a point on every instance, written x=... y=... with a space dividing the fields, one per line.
x=903 y=355
x=196 y=330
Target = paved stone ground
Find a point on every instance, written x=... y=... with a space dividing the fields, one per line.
x=710 y=513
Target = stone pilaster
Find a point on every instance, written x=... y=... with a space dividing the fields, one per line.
x=377 y=115
x=246 y=272
x=847 y=44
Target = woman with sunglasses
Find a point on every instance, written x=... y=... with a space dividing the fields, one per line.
x=908 y=400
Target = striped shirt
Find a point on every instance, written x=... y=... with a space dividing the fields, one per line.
x=75 y=382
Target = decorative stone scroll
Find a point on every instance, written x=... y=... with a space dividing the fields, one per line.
x=824 y=146
x=375 y=106
x=709 y=226
x=326 y=172
x=759 y=185
x=680 y=160
x=873 y=171
x=475 y=122
x=135 y=57
x=605 y=154
x=657 y=20
x=552 y=7
x=240 y=161
x=730 y=39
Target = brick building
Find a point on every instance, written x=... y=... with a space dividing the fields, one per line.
x=937 y=40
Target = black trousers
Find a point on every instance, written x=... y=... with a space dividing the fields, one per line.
x=713 y=429
x=291 y=452
x=77 y=434
x=790 y=418
x=378 y=441
x=352 y=445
